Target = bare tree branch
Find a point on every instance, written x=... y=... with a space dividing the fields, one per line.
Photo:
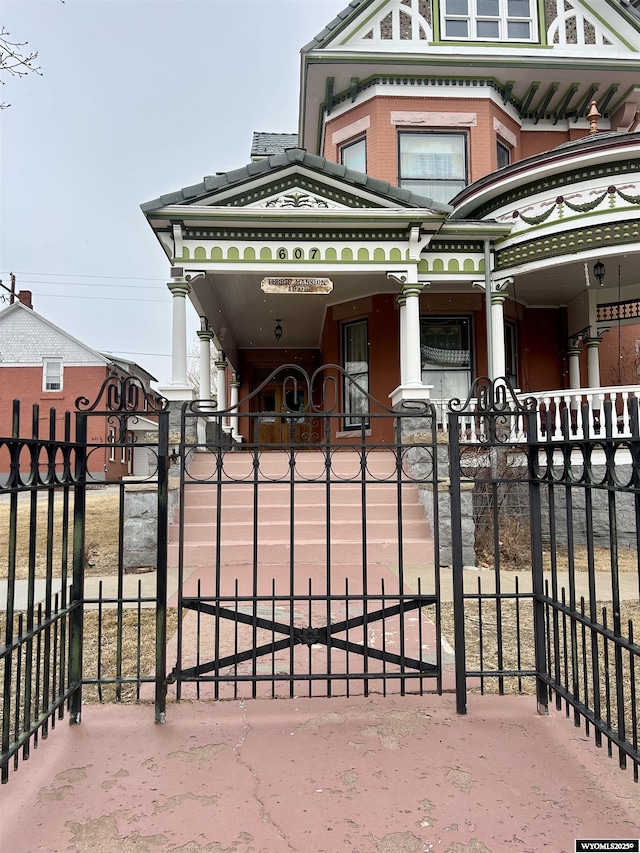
x=15 y=60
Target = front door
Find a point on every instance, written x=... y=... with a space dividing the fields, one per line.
x=273 y=426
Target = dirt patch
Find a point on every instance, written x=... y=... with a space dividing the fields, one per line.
x=53 y=543
x=503 y=639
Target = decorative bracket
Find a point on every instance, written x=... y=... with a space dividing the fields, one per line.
x=417 y=242
x=401 y=276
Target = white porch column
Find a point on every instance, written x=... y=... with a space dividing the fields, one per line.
x=179 y=389
x=411 y=386
x=233 y=419
x=411 y=343
x=221 y=367
x=573 y=354
x=179 y=291
x=204 y=392
x=402 y=311
x=206 y=336
x=593 y=362
x=498 y=354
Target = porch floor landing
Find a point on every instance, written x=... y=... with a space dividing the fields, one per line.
x=365 y=775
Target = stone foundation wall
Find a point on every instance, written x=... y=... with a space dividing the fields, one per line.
x=141 y=522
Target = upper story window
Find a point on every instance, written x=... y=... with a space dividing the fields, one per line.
x=433 y=164
x=489 y=20
x=52 y=374
x=354 y=155
x=503 y=155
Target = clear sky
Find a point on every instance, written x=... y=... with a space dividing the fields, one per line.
x=137 y=98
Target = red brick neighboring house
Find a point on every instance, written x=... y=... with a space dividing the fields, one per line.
x=41 y=363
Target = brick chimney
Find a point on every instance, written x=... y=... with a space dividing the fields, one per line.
x=24 y=296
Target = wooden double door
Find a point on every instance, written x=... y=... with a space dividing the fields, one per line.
x=282 y=416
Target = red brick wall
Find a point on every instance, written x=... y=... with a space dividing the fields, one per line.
x=382 y=145
x=25 y=384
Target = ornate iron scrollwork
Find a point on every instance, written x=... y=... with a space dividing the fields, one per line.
x=488 y=396
x=123 y=395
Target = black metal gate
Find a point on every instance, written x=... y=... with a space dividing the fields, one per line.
x=305 y=555
x=546 y=500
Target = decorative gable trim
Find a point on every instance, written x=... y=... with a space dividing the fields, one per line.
x=571 y=24
x=392 y=24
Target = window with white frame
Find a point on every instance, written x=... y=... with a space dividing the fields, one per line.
x=489 y=20
x=353 y=155
x=432 y=163
x=52 y=374
x=445 y=347
x=355 y=360
x=112 y=444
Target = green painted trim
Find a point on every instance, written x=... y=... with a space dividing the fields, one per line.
x=364 y=22
x=314 y=186
x=435 y=23
x=542 y=24
x=572 y=219
x=300 y=234
x=555 y=182
x=583 y=64
x=620 y=10
x=621 y=100
x=568 y=243
x=604 y=23
x=519 y=45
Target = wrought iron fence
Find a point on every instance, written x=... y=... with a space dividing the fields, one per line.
x=40 y=660
x=78 y=624
x=298 y=548
x=546 y=598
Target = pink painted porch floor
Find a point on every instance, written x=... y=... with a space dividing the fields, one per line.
x=365 y=775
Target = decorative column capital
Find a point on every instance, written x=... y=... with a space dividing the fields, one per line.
x=205 y=334
x=179 y=288
x=593 y=342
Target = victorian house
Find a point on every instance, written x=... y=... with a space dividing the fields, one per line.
x=462 y=199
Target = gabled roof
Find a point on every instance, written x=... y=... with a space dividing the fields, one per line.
x=627 y=9
x=332 y=25
x=28 y=337
x=267 y=144
x=296 y=158
x=586 y=50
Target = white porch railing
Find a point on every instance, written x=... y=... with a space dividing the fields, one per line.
x=554 y=402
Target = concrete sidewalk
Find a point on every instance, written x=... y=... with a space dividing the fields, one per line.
x=375 y=775
x=146 y=582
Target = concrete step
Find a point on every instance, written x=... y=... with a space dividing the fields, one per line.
x=205 y=513
x=311 y=551
x=379 y=500
x=304 y=530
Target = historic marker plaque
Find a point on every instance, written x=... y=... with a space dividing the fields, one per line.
x=296 y=285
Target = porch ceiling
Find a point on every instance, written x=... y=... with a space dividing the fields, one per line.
x=559 y=281
x=242 y=315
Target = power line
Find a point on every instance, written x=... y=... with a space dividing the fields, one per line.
x=87 y=284
x=84 y=275
x=133 y=352
x=102 y=298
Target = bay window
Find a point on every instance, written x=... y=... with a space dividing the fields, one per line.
x=433 y=164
